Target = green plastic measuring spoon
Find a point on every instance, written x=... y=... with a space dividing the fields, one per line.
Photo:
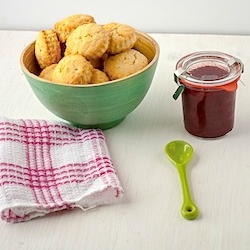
x=180 y=153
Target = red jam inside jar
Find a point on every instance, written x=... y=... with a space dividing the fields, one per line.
x=208 y=99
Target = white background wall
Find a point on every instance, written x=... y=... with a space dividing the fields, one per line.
x=170 y=16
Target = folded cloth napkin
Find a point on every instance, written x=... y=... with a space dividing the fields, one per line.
x=49 y=166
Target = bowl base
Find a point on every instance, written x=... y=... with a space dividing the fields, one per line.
x=103 y=126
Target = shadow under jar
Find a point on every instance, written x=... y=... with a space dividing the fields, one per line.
x=208 y=81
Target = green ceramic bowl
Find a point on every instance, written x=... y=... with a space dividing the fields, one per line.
x=97 y=105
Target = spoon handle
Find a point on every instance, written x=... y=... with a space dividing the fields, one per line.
x=189 y=210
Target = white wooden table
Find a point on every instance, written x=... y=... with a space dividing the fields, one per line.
x=148 y=217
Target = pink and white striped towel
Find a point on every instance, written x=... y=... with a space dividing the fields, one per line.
x=50 y=166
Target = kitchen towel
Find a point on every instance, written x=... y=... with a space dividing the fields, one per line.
x=49 y=166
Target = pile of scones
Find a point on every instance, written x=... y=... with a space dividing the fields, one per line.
x=79 y=51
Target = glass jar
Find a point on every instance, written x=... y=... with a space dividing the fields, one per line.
x=208 y=81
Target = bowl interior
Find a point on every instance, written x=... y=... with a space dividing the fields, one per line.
x=145 y=44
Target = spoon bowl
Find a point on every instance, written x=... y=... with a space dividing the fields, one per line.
x=180 y=153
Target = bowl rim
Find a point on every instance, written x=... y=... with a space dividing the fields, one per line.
x=145 y=35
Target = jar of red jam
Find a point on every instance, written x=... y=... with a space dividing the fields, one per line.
x=207 y=82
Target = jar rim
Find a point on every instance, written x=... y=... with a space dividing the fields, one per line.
x=231 y=68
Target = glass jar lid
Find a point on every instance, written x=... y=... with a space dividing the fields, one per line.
x=208 y=69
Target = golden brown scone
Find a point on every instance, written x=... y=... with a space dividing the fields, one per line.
x=65 y=26
x=47 y=72
x=73 y=69
x=123 y=37
x=124 y=64
x=99 y=76
x=47 y=48
x=90 y=40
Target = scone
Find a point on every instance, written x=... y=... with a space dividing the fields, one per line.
x=99 y=76
x=90 y=40
x=47 y=72
x=47 y=48
x=123 y=37
x=73 y=69
x=65 y=26
x=124 y=64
